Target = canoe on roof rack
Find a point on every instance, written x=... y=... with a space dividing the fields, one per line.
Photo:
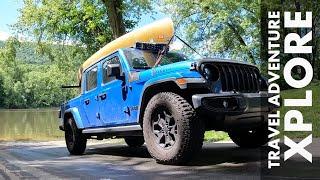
x=157 y=32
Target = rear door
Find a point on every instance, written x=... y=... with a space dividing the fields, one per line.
x=112 y=104
x=90 y=100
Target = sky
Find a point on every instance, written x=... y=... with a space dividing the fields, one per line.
x=9 y=14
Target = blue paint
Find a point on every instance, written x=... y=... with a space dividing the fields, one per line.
x=76 y=115
x=123 y=97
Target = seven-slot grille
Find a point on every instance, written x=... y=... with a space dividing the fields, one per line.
x=238 y=77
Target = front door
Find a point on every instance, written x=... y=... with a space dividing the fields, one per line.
x=90 y=98
x=113 y=104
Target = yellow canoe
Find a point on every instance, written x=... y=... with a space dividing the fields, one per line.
x=157 y=32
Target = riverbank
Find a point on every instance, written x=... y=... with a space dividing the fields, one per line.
x=42 y=125
x=29 y=124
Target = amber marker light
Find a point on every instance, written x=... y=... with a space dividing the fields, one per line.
x=181 y=81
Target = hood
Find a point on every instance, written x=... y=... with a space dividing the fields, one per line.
x=182 y=69
x=179 y=69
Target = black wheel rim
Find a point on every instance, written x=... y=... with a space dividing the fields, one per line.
x=164 y=128
x=69 y=136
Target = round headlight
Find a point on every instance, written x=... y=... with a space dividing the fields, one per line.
x=210 y=72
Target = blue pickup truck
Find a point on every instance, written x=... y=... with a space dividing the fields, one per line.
x=166 y=99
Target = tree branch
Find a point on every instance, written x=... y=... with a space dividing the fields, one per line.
x=241 y=41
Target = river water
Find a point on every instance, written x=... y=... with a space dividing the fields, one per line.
x=30 y=124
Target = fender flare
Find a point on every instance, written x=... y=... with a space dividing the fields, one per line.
x=76 y=116
x=150 y=84
x=166 y=80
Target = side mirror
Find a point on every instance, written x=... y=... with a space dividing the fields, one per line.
x=113 y=70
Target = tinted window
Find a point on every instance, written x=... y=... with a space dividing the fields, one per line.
x=114 y=60
x=91 y=79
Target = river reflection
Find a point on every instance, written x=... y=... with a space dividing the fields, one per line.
x=35 y=124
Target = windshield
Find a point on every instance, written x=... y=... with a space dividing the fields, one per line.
x=144 y=59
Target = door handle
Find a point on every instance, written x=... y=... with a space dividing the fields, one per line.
x=103 y=96
x=87 y=101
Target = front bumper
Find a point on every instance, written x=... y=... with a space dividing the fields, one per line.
x=230 y=110
x=232 y=103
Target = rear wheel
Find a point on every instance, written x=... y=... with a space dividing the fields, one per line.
x=134 y=141
x=171 y=129
x=250 y=138
x=76 y=142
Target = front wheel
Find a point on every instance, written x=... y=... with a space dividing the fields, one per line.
x=171 y=129
x=76 y=142
x=250 y=138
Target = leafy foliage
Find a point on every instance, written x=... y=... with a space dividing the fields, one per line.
x=61 y=35
x=81 y=22
x=36 y=83
x=291 y=6
x=220 y=28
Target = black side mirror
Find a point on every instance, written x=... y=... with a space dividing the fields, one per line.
x=114 y=70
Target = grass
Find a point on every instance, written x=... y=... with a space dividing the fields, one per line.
x=213 y=136
x=310 y=114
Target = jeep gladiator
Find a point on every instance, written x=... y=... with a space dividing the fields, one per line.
x=167 y=100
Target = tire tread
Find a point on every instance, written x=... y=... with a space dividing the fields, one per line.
x=192 y=137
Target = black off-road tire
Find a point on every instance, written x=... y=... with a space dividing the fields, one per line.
x=189 y=130
x=250 y=139
x=76 y=142
x=134 y=141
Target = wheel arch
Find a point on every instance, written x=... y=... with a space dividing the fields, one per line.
x=73 y=113
x=150 y=90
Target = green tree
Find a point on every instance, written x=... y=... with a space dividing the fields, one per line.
x=2 y=91
x=221 y=27
x=88 y=23
x=63 y=34
x=42 y=88
x=120 y=13
x=26 y=84
x=10 y=72
x=292 y=6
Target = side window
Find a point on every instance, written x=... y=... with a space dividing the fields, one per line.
x=91 y=79
x=114 y=60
